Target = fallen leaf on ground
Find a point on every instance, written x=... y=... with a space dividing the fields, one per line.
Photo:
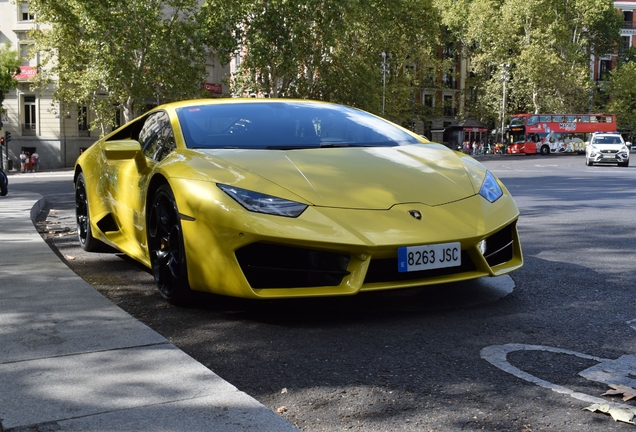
x=618 y=413
x=626 y=391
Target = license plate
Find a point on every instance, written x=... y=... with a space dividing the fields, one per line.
x=427 y=257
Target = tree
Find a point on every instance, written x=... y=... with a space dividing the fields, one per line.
x=549 y=44
x=9 y=67
x=327 y=49
x=109 y=54
x=621 y=89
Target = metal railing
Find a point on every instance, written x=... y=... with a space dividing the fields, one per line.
x=28 y=129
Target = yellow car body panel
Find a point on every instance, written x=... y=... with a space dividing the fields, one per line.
x=361 y=207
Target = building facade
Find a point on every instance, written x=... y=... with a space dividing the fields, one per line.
x=36 y=121
x=602 y=66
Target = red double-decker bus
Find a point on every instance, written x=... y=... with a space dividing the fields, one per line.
x=555 y=133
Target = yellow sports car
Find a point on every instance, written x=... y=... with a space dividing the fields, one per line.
x=273 y=198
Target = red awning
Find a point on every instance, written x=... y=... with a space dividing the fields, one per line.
x=26 y=73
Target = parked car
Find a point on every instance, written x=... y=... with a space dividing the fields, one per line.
x=275 y=198
x=4 y=183
x=606 y=148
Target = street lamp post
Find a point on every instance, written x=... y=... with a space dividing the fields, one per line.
x=505 y=77
x=385 y=71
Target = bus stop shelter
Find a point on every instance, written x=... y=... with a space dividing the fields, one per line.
x=468 y=130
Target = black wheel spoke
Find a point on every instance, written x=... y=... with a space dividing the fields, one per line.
x=82 y=218
x=165 y=245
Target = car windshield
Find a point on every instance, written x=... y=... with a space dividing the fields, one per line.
x=607 y=140
x=285 y=125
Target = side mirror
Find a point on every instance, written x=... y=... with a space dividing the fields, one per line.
x=125 y=150
x=121 y=149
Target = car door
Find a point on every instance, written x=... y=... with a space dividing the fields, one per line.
x=157 y=141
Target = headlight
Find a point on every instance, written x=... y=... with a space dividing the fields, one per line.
x=490 y=189
x=260 y=203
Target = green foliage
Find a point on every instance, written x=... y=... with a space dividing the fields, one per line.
x=109 y=54
x=112 y=54
x=328 y=49
x=621 y=89
x=547 y=42
x=9 y=67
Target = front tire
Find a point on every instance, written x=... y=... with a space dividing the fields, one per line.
x=82 y=218
x=624 y=164
x=166 y=248
x=588 y=162
x=545 y=150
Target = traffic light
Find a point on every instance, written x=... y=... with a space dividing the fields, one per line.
x=7 y=137
x=1 y=141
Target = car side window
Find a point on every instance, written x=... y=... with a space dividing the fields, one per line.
x=156 y=136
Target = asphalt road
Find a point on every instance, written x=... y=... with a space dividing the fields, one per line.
x=431 y=359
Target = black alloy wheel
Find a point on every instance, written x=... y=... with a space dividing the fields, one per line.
x=165 y=245
x=84 y=234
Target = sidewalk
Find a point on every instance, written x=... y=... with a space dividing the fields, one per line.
x=72 y=360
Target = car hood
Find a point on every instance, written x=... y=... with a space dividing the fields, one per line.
x=369 y=177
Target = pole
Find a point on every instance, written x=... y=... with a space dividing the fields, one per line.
x=384 y=72
x=503 y=111
x=505 y=77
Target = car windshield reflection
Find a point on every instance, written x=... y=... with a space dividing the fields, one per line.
x=286 y=126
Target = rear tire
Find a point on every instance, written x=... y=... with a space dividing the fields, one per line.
x=82 y=217
x=166 y=248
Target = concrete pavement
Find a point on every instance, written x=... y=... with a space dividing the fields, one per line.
x=70 y=360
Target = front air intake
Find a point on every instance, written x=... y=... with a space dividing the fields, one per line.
x=274 y=266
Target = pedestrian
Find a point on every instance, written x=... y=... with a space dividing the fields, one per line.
x=22 y=161
x=35 y=157
x=27 y=162
x=36 y=160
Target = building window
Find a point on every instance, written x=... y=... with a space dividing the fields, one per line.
x=25 y=15
x=29 y=107
x=449 y=108
x=626 y=42
x=448 y=79
x=428 y=100
x=605 y=67
x=628 y=18
x=82 y=121
x=25 y=54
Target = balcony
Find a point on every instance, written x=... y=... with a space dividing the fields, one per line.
x=629 y=25
x=28 y=129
